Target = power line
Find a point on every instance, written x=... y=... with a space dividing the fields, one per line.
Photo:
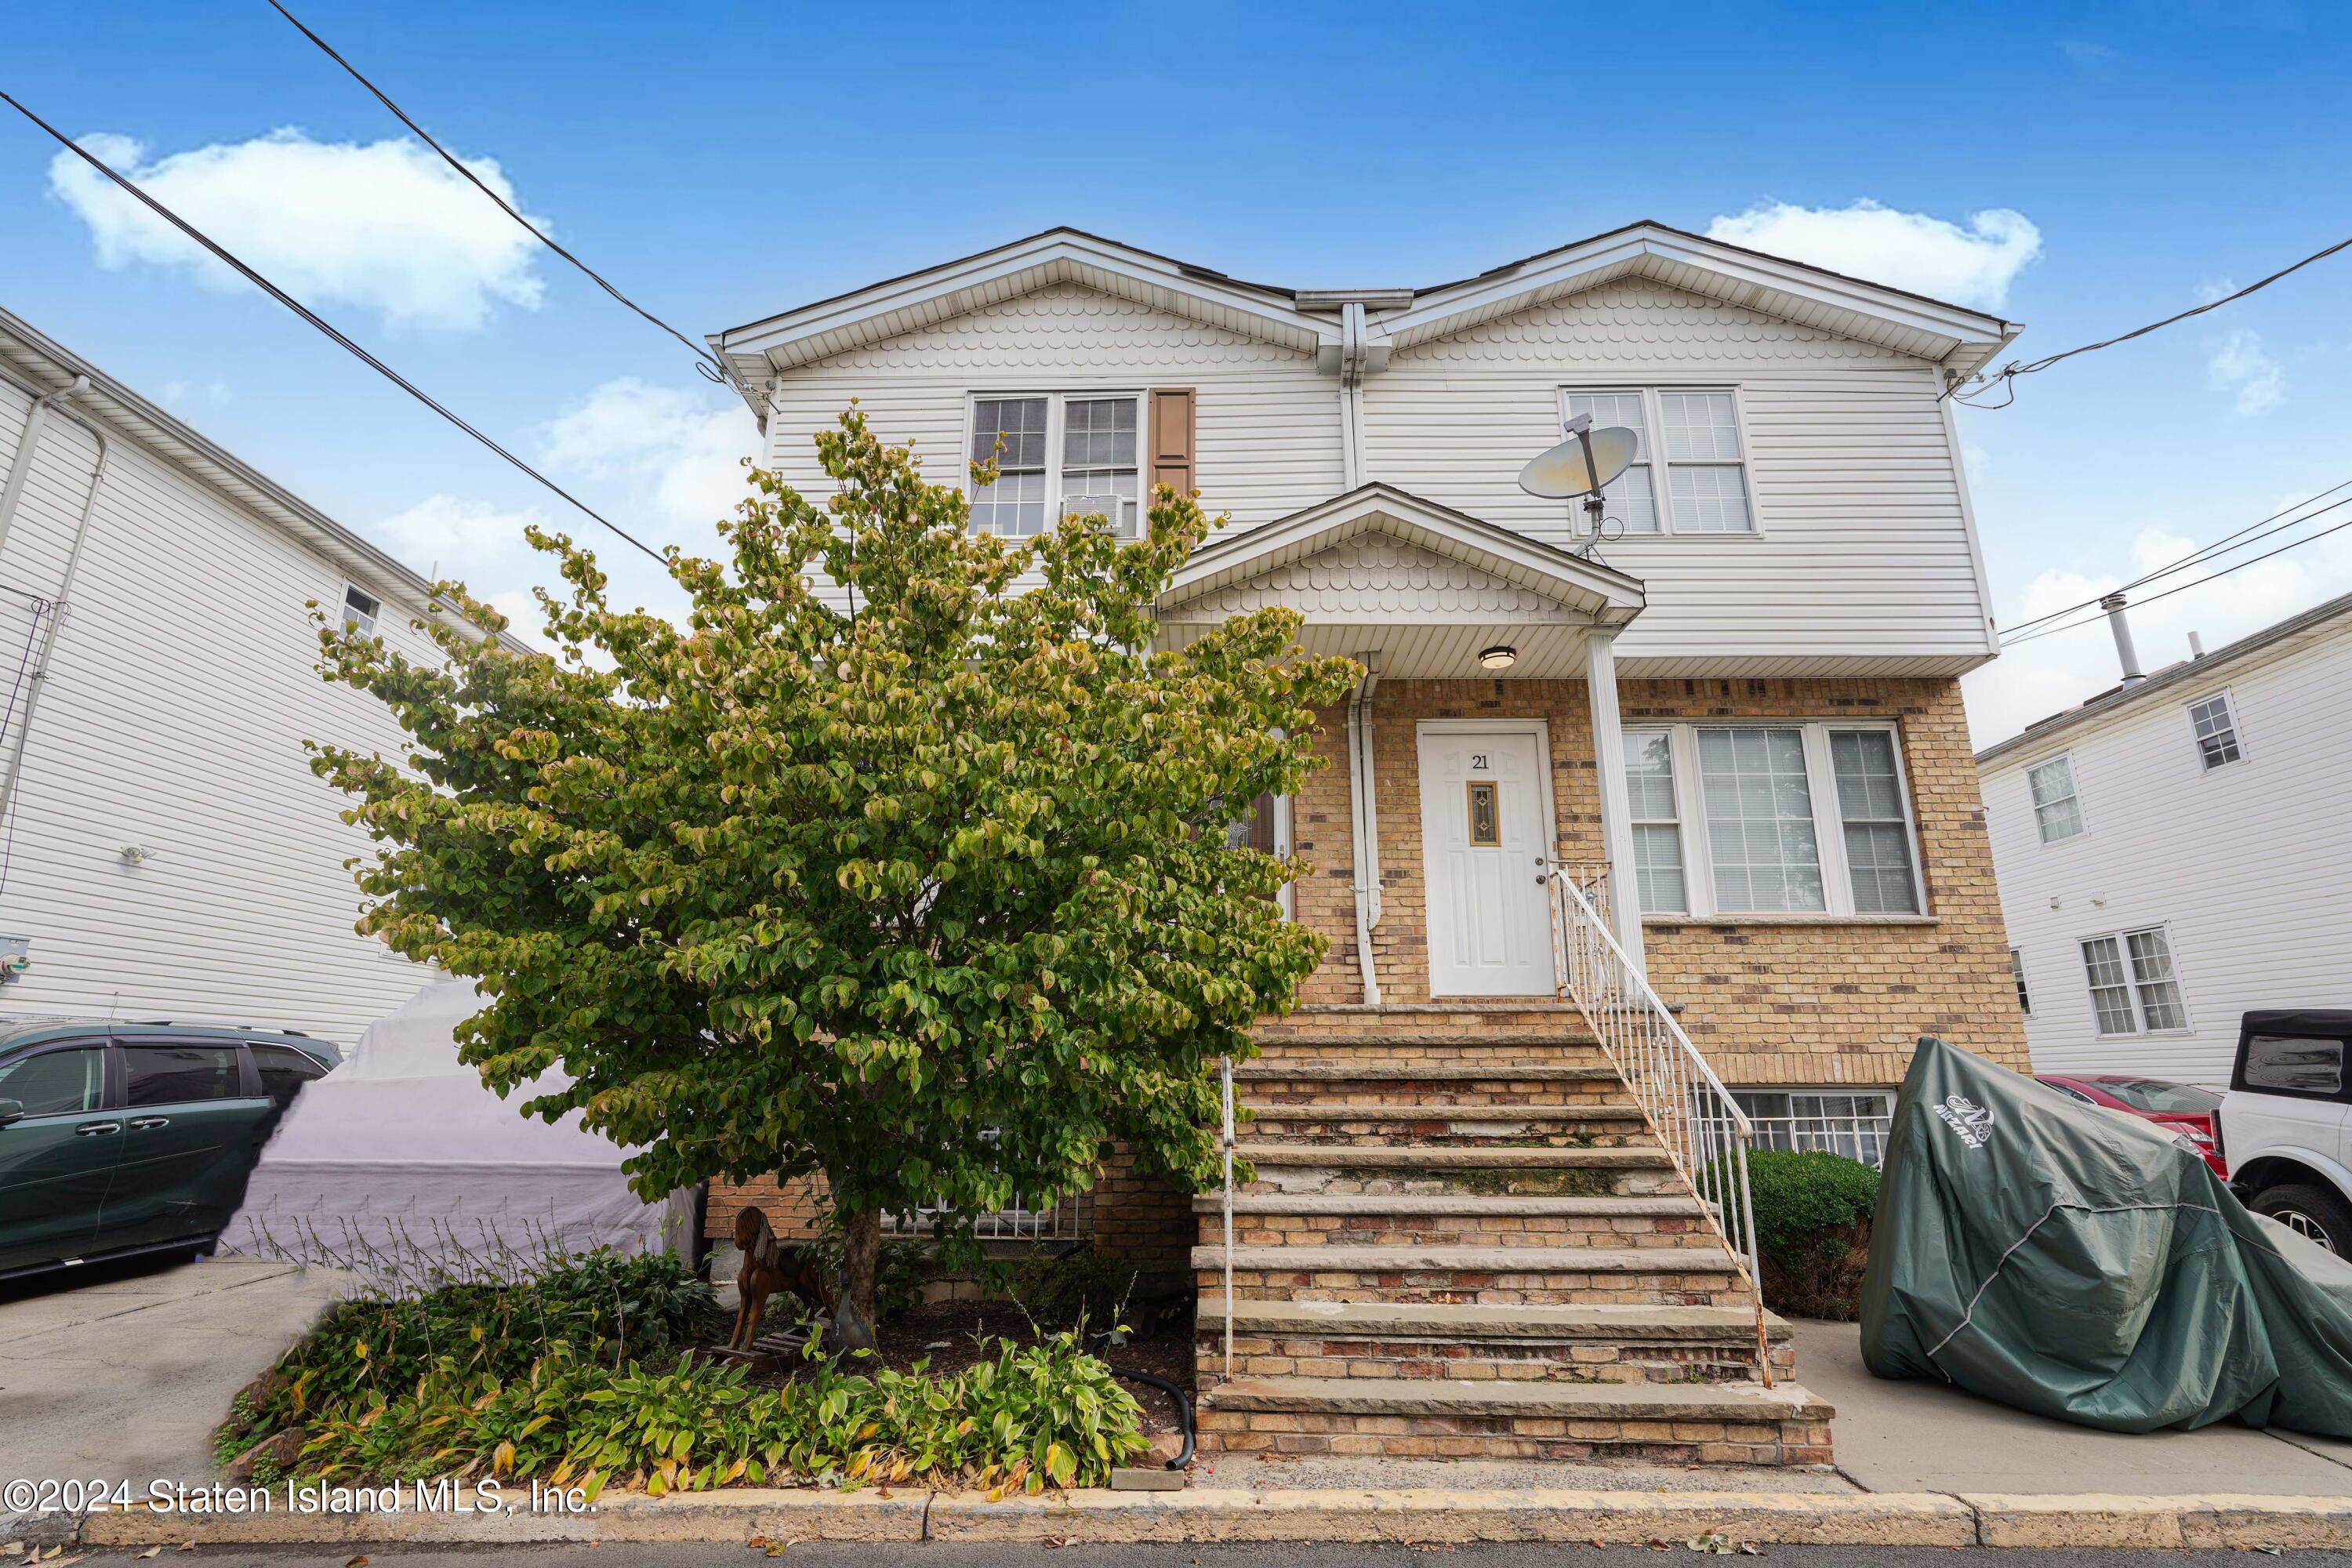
x=2007 y=375
x=2199 y=582
x=2206 y=552
x=709 y=364
x=291 y=303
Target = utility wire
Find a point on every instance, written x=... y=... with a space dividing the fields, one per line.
x=2007 y=375
x=710 y=364
x=2199 y=582
x=2220 y=546
x=291 y=303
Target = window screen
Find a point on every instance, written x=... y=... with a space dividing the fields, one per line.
x=1657 y=824
x=1760 y=820
x=1877 y=843
x=1010 y=430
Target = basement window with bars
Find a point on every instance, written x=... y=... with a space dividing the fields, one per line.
x=1057 y=453
x=1852 y=1123
x=2134 y=989
x=1789 y=818
x=1689 y=474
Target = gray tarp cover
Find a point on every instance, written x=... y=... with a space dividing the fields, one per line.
x=2078 y=1263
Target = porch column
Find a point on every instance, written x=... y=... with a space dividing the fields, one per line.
x=1616 y=806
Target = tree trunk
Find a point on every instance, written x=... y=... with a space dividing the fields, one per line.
x=861 y=1256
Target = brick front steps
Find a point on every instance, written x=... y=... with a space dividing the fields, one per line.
x=1669 y=1423
x=1478 y=1343
x=1460 y=1238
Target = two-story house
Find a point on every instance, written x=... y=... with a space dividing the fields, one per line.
x=2170 y=857
x=1718 y=745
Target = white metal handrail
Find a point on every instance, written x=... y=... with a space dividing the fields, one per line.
x=1226 y=1138
x=1686 y=1106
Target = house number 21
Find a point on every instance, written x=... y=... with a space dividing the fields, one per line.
x=1478 y=762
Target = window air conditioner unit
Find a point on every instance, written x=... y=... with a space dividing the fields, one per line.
x=1120 y=510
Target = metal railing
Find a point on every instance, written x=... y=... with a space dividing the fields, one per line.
x=1071 y=1218
x=1226 y=1141
x=1693 y=1116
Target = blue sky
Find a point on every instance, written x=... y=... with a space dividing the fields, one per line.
x=724 y=161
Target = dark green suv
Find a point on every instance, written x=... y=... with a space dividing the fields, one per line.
x=134 y=1137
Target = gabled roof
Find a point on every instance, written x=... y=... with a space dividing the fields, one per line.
x=1958 y=339
x=2172 y=676
x=1608 y=596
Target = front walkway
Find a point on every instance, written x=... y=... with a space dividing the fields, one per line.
x=122 y=1370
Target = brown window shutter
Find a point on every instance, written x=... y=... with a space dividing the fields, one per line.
x=1171 y=439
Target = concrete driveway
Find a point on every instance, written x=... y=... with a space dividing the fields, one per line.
x=123 y=1373
x=1922 y=1436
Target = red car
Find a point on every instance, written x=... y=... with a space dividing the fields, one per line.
x=2183 y=1109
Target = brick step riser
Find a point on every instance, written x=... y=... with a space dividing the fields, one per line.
x=1573 y=1183
x=1399 y=1093
x=1595 y=1231
x=1469 y=1051
x=1456 y=1362
x=1342 y=1134
x=1462 y=1287
x=1423 y=1021
x=1515 y=1438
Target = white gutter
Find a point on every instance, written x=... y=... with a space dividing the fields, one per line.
x=9 y=496
x=1364 y=821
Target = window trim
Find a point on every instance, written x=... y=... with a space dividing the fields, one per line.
x=2034 y=810
x=1056 y=399
x=2237 y=729
x=2121 y=936
x=1829 y=825
x=1661 y=481
x=375 y=619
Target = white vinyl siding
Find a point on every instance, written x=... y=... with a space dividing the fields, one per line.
x=2057 y=811
x=184 y=686
x=2216 y=730
x=2243 y=865
x=2134 y=988
x=1797 y=819
x=1658 y=824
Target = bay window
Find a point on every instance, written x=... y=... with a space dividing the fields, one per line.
x=1771 y=819
x=1057 y=455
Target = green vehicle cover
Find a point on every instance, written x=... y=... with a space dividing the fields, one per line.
x=2078 y=1263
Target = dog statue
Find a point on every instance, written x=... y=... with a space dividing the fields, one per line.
x=768 y=1265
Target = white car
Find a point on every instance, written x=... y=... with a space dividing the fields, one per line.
x=2287 y=1123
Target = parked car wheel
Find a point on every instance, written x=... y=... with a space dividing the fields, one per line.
x=2314 y=1212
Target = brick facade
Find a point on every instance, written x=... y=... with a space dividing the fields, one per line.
x=1792 y=1000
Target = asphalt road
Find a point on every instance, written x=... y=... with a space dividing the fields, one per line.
x=1534 y=1554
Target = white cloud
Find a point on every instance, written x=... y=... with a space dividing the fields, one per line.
x=1972 y=266
x=190 y=395
x=2034 y=679
x=1978 y=463
x=454 y=537
x=685 y=448
x=384 y=225
x=2241 y=366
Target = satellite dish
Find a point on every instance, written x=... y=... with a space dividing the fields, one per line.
x=1583 y=464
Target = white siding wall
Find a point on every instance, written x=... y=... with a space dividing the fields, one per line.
x=1268 y=427
x=183 y=687
x=1864 y=564
x=2247 y=865
x=1862 y=550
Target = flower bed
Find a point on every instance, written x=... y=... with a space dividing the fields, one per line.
x=584 y=1374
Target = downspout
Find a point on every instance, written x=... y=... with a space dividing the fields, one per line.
x=1364 y=821
x=59 y=607
x=1352 y=352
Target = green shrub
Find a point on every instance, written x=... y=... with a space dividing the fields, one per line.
x=1812 y=1229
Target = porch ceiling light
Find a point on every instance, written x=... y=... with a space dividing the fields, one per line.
x=1502 y=656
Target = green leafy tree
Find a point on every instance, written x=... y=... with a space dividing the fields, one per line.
x=904 y=859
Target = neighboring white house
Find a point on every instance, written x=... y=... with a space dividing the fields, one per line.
x=165 y=851
x=2177 y=851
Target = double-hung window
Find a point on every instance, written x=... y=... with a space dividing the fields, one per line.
x=2057 y=812
x=2134 y=990
x=360 y=610
x=1689 y=474
x=1057 y=453
x=2216 y=729
x=1771 y=819
x=2017 y=972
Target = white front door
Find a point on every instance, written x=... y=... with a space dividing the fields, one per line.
x=1486 y=828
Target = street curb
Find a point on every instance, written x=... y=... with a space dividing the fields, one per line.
x=1423 y=1515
